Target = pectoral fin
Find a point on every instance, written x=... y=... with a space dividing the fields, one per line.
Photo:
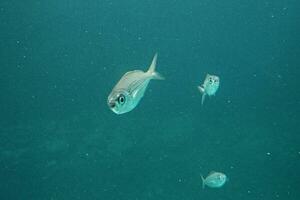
x=201 y=89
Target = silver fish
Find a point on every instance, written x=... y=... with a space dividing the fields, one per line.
x=130 y=89
x=214 y=180
x=209 y=87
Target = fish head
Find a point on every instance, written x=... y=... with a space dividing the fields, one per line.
x=119 y=101
x=212 y=79
x=211 y=84
x=222 y=177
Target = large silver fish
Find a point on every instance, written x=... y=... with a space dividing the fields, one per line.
x=130 y=89
x=209 y=87
x=214 y=180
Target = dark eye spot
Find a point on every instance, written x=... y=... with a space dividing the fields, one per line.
x=121 y=99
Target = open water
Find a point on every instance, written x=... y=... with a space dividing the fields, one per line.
x=59 y=60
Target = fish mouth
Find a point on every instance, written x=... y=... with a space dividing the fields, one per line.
x=111 y=104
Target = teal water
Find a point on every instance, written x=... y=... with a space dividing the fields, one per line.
x=60 y=59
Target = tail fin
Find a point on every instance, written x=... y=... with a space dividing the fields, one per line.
x=203 y=181
x=202 y=91
x=151 y=70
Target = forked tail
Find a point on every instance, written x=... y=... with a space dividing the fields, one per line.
x=154 y=74
x=203 y=181
x=202 y=91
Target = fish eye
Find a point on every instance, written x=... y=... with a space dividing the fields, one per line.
x=121 y=99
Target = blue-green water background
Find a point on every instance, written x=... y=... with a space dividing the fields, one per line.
x=61 y=58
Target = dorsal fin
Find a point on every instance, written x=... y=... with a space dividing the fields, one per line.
x=211 y=172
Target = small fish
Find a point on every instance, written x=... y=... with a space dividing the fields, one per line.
x=209 y=87
x=214 y=180
x=130 y=89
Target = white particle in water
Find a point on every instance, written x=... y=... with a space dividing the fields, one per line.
x=279 y=76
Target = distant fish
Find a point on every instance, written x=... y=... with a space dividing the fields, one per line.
x=130 y=89
x=214 y=180
x=209 y=87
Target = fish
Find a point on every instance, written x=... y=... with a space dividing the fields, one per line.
x=214 y=180
x=209 y=87
x=130 y=89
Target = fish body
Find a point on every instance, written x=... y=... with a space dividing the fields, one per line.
x=209 y=87
x=214 y=180
x=130 y=89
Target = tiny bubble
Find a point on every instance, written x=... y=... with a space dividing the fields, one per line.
x=279 y=76
x=268 y=153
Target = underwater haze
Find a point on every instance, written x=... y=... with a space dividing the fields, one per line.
x=60 y=59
